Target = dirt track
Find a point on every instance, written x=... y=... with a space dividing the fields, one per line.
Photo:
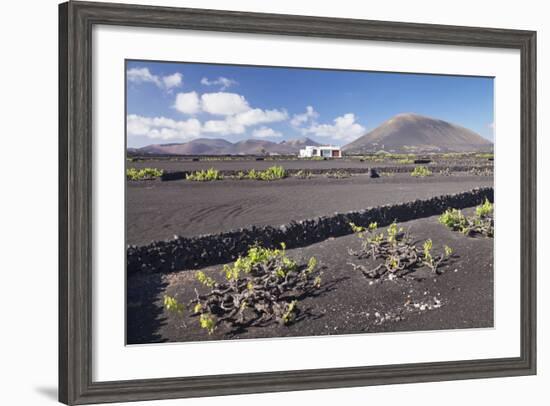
x=350 y=303
x=159 y=210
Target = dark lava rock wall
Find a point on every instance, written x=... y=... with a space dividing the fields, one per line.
x=179 y=175
x=195 y=252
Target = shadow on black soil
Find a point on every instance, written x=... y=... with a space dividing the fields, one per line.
x=143 y=312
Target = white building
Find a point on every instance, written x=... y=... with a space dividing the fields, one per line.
x=324 y=151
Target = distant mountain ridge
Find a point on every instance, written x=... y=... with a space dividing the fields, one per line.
x=300 y=142
x=403 y=133
x=409 y=132
x=218 y=146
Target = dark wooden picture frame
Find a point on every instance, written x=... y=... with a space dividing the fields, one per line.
x=76 y=20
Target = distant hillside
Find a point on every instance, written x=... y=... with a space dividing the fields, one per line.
x=261 y=147
x=217 y=146
x=200 y=146
x=300 y=143
x=415 y=133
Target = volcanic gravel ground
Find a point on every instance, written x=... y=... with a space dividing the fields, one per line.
x=461 y=297
x=158 y=210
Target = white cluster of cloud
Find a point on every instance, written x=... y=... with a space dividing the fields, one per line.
x=143 y=75
x=171 y=81
x=300 y=119
x=224 y=83
x=235 y=111
x=163 y=128
x=231 y=114
x=343 y=128
x=188 y=103
x=238 y=123
x=224 y=104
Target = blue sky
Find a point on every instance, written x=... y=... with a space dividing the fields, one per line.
x=178 y=102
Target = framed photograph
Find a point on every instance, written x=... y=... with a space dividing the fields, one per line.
x=260 y=202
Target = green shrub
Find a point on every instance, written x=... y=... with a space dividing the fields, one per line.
x=485 y=156
x=453 y=155
x=454 y=219
x=172 y=305
x=253 y=174
x=394 y=254
x=207 y=322
x=263 y=286
x=205 y=175
x=409 y=158
x=481 y=223
x=271 y=173
x=421 y=171
x=204 y=279
x=484 y=209
x=143 y=174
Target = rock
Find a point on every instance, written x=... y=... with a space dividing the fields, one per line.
x=184 y=252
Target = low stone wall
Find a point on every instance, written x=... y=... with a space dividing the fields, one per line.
x=211 y=249
x=178 y=175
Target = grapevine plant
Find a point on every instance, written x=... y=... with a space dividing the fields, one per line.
x=143 y=174
x=205 y=175
x=421 y=171
x=271 y=173
x=262 y=287
x=481 y=223
x=394 y=253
